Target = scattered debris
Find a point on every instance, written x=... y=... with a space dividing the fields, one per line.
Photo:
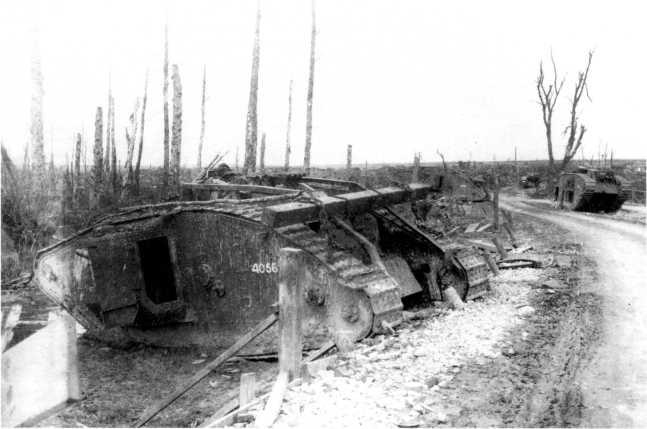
x=513 y=263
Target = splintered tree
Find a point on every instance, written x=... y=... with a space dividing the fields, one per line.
x=548 y=93
x=349 y=157
x=261 y=156
x=415 y=174
x=131 y=136
x=141 y=137
x=97 y=166
x=114 y=165
x=306 y=156
x=165 y=174
x=176 y=141
x=251 y=132
x=204 y=90
x=36 y=131
x=76 y=173
x=288 y=149
x=106 y=158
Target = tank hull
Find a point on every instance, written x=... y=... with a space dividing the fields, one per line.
x=205 y=272
x=591 y=193
x=211 y=292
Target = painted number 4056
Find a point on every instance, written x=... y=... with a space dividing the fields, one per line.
x=267 y=268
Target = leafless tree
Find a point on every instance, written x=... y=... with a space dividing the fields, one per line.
x=36 y=131
x=288 y=149
x=131 y=136
x=415 y=174
x=106 y=158
x=251 y=133
x=349 y=157
x=442 y=157
x=76 y=174
x=176 y=140
x=97 y=166
x=202 y=123
x=114 y=165
x=548 y=93
x=141 y=136
x=165 y=175
x=261 y=158
x=311 y=77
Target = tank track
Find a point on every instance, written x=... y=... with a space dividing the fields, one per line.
x=467 y=259
x=379 y=287
x=471 y=263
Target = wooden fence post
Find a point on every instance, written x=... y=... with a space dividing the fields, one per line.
x=291 y=279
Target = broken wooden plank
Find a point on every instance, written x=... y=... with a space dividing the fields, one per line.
x=482 y=245
x=484 y=227
x=154 y=409
x=40 y=374
x=472 y=227
x=321 y=351
x=247 y=388
x=229 y=408
x=268 y=416
x=512 y=263
x=343 y=204
x=522 y=249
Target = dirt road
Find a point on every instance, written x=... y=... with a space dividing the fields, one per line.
x=612 y=381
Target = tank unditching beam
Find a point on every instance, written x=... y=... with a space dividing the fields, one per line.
x=343 y=204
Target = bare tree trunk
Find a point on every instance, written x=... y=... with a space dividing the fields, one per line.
x=165 y=175
x=204 y=90
x=37 y=139
x=236 y=164
x=131 y=136
x=251 y=133
x=141 y=137
x=415 y=174
x=68 y=193
x=51 y=175
x=176 y=141
x=288 y=149
x=97 y=167
x=106 y=158
x=76 y=178
x=261 y=162
x=442 y=157
x=114 y=165
x=349 y=157
x=306 y=156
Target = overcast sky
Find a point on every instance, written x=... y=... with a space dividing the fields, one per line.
x=392 y=77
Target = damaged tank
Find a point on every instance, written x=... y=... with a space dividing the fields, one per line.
x=203 y=271
x=592 y=190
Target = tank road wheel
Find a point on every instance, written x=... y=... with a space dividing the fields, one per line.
x=350 y=317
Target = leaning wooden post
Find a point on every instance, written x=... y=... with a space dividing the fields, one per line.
x=291 y=279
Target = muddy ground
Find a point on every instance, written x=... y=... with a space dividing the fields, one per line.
x=523 y=369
